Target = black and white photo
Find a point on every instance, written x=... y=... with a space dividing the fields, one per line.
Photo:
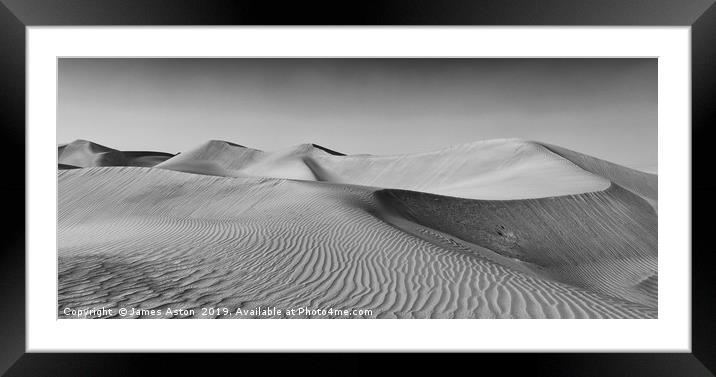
x=479 y=188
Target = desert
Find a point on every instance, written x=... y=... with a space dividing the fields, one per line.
x=504 y=228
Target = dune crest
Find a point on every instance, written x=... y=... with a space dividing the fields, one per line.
x=641 y=183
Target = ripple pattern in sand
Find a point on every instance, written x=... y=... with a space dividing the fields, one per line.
x=153 y=239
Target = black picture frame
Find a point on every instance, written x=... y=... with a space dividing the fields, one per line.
x=16 y=15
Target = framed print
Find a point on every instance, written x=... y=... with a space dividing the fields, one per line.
x=479 y=178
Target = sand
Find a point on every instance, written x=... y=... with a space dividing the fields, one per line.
x=513 y=229
x=83 y=153
x=493 y=169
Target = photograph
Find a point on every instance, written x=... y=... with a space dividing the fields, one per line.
x=357 y=188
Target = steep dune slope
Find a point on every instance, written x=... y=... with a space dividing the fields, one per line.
x=155 y=238
x=494 y=169
x=604 y=241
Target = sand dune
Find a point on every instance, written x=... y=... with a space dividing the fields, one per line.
x=603 y=241
x=641 y=183
x=83 y=153
x=494 y=169
x=232 y=160
x=336 y=233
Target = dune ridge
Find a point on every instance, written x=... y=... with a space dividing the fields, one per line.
x=641 y=183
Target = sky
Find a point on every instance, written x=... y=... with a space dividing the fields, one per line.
x=606 y=108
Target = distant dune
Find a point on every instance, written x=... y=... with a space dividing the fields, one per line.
x=83 y=153
x=494 y=229
x=495 y=169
